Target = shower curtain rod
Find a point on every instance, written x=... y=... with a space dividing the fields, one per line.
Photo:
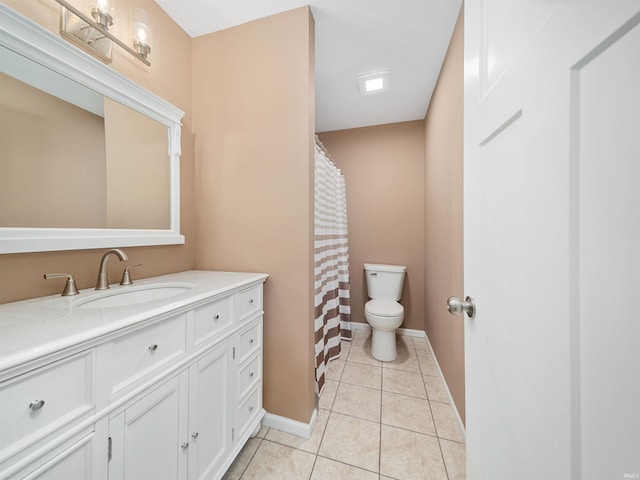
x=326 y=152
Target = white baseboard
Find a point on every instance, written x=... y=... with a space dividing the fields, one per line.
x=288 y=425
x=360 y=326
x=446 y=387
x=409 y=332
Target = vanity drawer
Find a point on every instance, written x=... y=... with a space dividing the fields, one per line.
x=138 y=353
x=250 y=340
x=211 y=318
x=249 y=374
x=249 y=302
x=250 y=407
x=36 y=403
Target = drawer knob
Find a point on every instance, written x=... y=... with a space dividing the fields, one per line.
x=153 y=348
x=251 y=300
x=36 y=405
x=251 y=375
x=194 y=435
x=216 y=317
x=251 y=341
x=184 y=445
x=251 y=408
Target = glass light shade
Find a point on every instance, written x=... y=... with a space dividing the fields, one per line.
x=141 y=33
x=104 y=12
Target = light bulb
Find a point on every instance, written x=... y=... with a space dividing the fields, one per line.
x=104 y=12
x=141 y=33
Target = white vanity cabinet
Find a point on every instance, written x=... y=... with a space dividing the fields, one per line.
x=180 y=430
x=173 y=396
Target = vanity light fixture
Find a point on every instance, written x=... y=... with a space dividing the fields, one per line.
x=92 y=31
x=141 y=33
x=373 y=82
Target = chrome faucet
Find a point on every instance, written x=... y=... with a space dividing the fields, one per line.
x=103 y=280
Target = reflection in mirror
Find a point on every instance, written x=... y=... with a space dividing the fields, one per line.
x=93 y=163
x=91 y=159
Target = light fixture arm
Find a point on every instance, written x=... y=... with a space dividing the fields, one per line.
x=103 y=31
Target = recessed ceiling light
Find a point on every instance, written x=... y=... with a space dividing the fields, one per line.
x=374 y=82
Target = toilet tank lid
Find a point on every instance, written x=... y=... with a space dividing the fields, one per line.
x=385 y=268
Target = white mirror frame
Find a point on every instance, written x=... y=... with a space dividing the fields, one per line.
x=21 y=35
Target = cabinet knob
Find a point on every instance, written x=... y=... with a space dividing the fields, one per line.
x=36 y=405
x=153 y=348
x=251 y=300
x=194 y=435
x=184 y=445
x=251 y=375
x=251 y=341
x=251 y=408
x=216 y=317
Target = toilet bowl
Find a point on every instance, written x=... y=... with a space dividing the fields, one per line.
x=384 y=316
x=383 y=312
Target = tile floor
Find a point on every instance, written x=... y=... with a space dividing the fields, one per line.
x=376 y=421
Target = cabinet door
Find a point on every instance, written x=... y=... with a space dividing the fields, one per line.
x=210 y=412
x=148 y=439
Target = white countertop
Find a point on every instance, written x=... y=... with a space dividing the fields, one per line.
x=33 y=328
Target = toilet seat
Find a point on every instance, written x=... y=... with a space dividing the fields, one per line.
x=383 y=308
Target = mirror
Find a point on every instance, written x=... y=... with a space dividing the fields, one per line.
x=89 y=158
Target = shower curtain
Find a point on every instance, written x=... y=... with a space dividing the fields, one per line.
x=332 y=295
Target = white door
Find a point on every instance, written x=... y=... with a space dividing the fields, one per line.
x=552 y=239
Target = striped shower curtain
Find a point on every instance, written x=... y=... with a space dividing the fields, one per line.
x=332 y=296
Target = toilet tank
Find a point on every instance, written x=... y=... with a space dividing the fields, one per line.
x=384 y=282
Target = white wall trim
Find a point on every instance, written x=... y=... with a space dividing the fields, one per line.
x=360 y=326
x=446 y=387
x=409 y=332
x=288 y=425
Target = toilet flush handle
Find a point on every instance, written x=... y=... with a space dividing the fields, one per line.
x=374 y=274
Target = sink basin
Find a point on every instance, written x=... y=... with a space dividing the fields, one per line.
x=127 y=296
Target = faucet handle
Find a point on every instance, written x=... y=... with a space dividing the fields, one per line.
x=126 y=278
x=69 y=287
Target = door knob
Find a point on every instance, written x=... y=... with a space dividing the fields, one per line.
x=457 y=306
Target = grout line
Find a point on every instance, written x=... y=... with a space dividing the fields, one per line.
x=250 y=460
x=380 y=436
x=315 y=459
x=446 y=470
x=349 y=464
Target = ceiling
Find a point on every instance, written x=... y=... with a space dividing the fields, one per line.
x=409 y=37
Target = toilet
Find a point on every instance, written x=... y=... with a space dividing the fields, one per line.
x=383 y=312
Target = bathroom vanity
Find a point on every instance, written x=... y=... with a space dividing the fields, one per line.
x=157 y=380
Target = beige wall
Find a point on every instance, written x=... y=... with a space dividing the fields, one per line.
x=169 y=77
x=384 y=171
x=254 y=119
x=443 y=245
